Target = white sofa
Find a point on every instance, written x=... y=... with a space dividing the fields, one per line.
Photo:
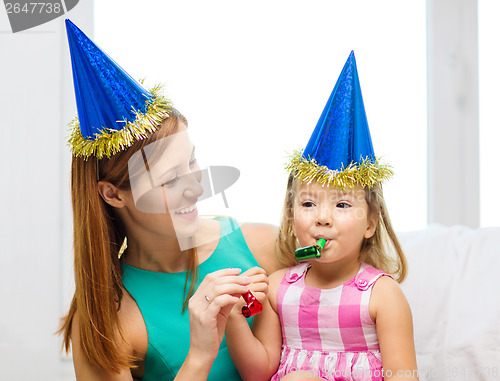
x=453 y=287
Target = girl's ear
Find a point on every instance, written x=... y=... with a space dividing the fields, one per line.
x=372 y=226
x=110 y=194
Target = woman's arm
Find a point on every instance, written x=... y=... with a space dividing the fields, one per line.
x=84 y=370
x=392 y=315
x=207 y=321
x=256 y=352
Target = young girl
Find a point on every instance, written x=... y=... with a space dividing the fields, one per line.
x=341 y=316
x=156 y=307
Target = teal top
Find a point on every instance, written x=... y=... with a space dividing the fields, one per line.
x=160 y=297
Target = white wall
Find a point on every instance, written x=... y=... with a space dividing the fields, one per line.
x=36 y=103
x=253 y=78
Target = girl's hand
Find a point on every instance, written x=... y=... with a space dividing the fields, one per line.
x=258 y=287
x=209 y=310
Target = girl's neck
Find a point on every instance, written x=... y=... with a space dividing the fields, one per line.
x=330 y=275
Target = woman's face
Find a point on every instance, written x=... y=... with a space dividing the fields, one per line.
x=165 y=181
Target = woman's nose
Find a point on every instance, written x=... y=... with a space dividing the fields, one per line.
x=193 y=188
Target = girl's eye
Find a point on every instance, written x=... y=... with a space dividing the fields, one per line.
x=308 y=204
x=343 y=205
x=192 y=162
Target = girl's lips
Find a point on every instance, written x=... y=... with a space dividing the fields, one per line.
x=326 y=239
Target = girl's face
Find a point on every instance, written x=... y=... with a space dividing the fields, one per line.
x=165 y=179
x=339 y=216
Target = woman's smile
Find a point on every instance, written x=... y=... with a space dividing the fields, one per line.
x=188 y=213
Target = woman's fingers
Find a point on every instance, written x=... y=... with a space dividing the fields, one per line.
x=210 y=306
x=254 y=271
x=221 y=290
x=260 y=282
x=222 y=282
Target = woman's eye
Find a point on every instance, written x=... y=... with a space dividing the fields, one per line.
x=193 y=162
x=343 y=205
x=171 y=182
x=308 y=204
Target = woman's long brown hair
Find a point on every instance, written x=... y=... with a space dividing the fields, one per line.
x=98 y=236
x=382 y=251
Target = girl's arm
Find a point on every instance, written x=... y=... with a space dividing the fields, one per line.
x=392 y=315
x=256 y=352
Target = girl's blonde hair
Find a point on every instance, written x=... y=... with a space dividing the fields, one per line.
x=98 y=236
x=382 y=251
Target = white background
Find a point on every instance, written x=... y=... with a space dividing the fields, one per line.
x=253 y=77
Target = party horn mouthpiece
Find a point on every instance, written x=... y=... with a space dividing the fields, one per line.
x=253 y=306
x=310 y=252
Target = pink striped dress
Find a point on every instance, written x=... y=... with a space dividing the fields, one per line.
x=328 y=333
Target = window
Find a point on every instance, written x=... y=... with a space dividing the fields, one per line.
x=489 y=83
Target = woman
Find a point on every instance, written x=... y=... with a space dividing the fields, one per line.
x=134 y=191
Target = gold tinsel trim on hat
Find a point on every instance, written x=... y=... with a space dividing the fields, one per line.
x=110 y=141
x=364 y=174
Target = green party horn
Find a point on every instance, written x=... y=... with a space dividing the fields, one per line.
x=310 y=252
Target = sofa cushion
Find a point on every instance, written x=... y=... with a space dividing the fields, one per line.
x=453 y=287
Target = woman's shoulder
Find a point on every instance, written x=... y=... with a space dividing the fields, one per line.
x=133 y=326
x=261 y=240
x=133 y=342
x=259 y=233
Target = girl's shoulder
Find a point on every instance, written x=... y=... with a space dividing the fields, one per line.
x=287 y=275
x=274 y=281
x=277 y=276
x=387 y=296
x=368 y=276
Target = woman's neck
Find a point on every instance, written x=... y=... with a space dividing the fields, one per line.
x=159 y=254
x=163 y=254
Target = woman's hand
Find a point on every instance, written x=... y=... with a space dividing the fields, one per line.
x=209 y=310
x=258 y=287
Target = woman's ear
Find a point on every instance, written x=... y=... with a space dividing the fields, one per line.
x=110 y=194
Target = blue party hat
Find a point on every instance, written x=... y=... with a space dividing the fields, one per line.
x=340 y=151
x=114 y=110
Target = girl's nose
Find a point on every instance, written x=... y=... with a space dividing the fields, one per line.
x=324 y=218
